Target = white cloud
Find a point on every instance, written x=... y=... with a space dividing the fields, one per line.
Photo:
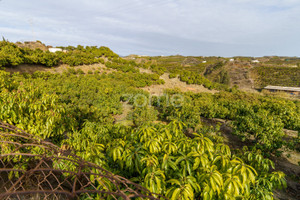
x=187 y=26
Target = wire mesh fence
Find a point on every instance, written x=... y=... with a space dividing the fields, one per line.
x=31 y=168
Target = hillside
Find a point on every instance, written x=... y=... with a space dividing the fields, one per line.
x=32 y=45
x=245 y=72
x=174 y=125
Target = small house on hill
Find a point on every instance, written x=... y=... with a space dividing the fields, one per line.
x=53 y=50
x=291 y=90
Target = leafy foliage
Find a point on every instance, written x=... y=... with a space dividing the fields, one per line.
x=257 y=118
x=276 y=75
x=12 y=55
x=77 y=111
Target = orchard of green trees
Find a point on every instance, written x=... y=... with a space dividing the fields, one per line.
x=283 y=71
x=12 y=55
x=276 y=75
x=78 y=111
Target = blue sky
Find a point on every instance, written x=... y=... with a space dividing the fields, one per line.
x=159 y=27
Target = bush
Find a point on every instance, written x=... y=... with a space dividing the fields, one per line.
x=79 y=71
x=142 y=116
x=12 y=55
x=172 y=75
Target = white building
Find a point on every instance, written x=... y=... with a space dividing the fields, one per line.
x=53 y=50
x=255 y=61
x=204 y=61
x=231 y=60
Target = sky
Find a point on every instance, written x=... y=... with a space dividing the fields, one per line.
x=159 y=27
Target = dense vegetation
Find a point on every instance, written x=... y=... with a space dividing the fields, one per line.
x=78 y=111
x=287 y=61
x=158 y=150
x=194 y=78
x=253 y=116
x=281 y=76
x=12 y=55
x=177 y=63
x=283 y=71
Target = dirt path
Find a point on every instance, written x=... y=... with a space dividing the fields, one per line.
x=240 y=75
x=25 y=68
x=173 y=83
x=122 y=118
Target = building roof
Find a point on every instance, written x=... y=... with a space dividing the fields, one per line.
x=55 y=48
x=294 y=89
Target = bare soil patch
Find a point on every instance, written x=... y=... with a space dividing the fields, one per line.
x=85 y=68
x=123 y=118
x=25 y=68
x=126 y=109
x=174 y=83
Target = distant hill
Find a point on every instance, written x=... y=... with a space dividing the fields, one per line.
x=33 y=45
x=245 y=72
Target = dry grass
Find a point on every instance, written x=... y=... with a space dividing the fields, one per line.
x=175 y=83
x=59 y=69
